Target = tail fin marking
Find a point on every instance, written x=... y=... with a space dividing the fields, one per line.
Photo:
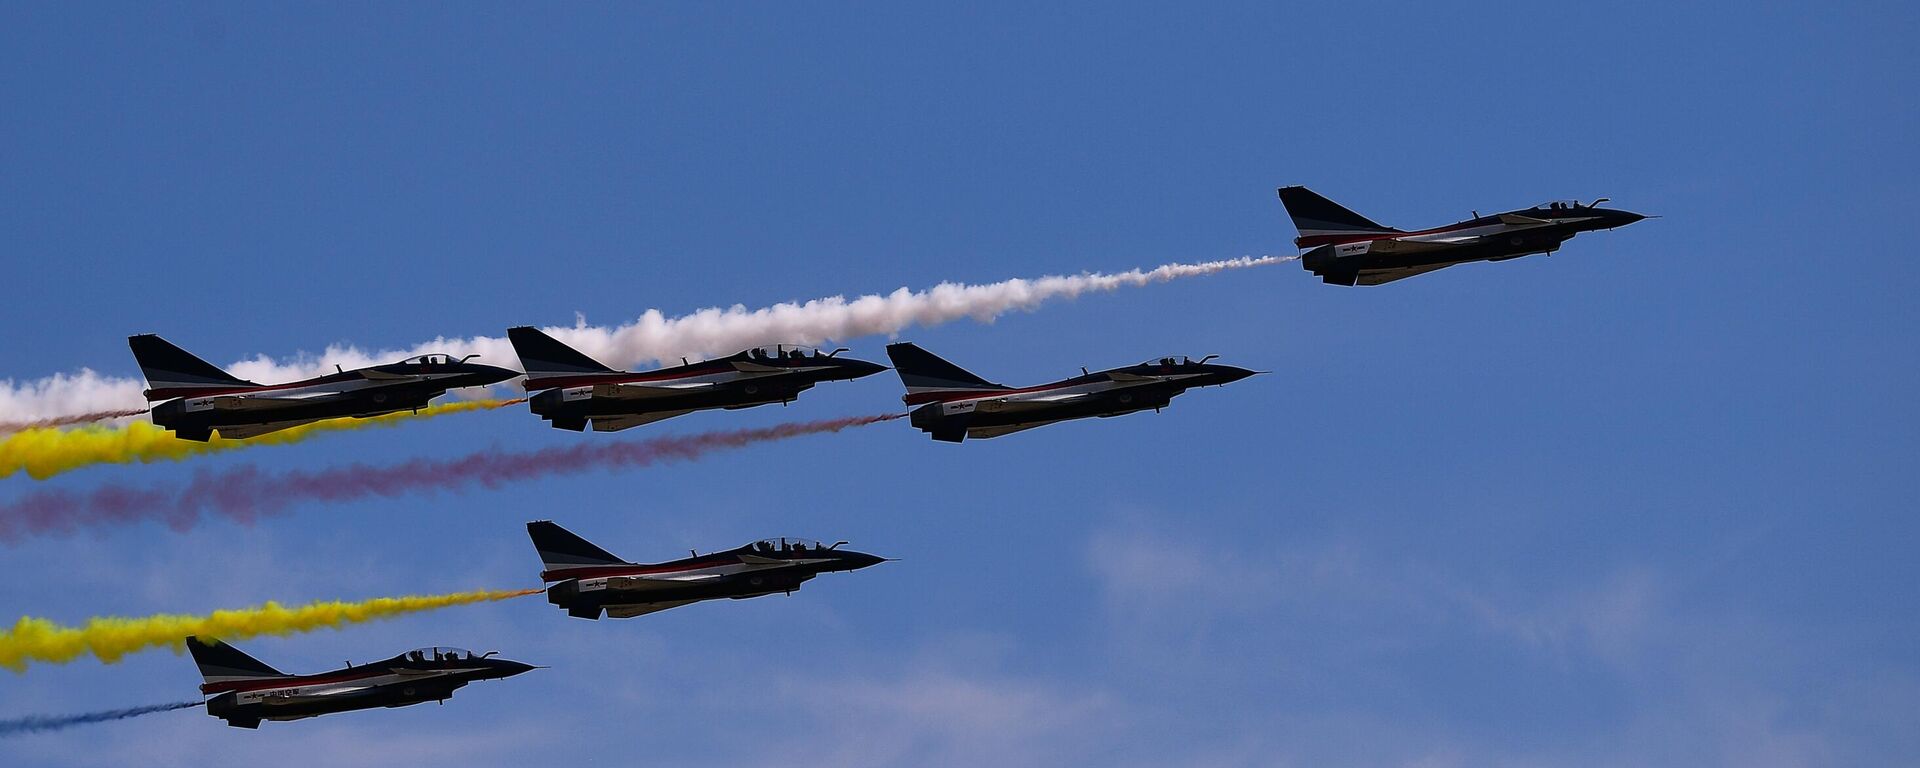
x=168 y=367
x=561 y=549
x=1319 y=219
x=222 y=663
x=544 y=356
x=923 y=371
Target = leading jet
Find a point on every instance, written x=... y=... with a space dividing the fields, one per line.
x=197 y=398
x=575 y=390
x=245 y=691
x=588 y=580
x=1346 y=248
x=955 y=404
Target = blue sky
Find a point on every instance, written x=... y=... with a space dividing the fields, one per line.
x=1646 y=501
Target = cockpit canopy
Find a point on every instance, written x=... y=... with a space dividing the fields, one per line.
x=787 y=351
x=1561 y=205
x=787 y=544
x=438 y=653
x=1171 y=361
x=432 y=359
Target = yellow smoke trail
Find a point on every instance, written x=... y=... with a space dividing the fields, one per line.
x=43 y=452
x=111 y=637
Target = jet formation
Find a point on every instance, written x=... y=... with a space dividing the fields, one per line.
x=196 y=398
x=246 y=691
x=575 y=390
x=1346 y=248
x=587 y=580
x=572 y=391
x=955 y=404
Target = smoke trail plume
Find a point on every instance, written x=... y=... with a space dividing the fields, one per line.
x=111 y=637
x=245 y=493
x=68 y=397
x=655 y=337
x=68 y=421
x=45 y=452
x=45 y=723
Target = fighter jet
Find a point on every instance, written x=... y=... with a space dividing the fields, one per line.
x=955 y=404
x=201 y=399
x=246 y=691
x=1346 y=248
x=578 y=390
x=590 y=580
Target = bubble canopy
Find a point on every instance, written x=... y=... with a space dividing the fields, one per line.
x=787 y=544
x=777 y=351
x=438 y=653
x=431 y=359
x=1176 y=360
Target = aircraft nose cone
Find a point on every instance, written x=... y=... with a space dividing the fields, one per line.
x=495 y=374
x=856 y=560
x=858 y=368
x=504 y=668
x=1227 y=374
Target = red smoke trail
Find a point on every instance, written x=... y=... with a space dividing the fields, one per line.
x=67 y=421
x=246 y=493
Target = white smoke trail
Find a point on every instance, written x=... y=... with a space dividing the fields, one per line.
x=62 y=394
x=654 y=336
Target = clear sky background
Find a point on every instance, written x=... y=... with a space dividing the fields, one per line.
x=1647 y=501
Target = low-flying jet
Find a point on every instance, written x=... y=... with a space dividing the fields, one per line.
x=955 y=404
x=201 y=399
x=590 y=579
x=246 y=691
x=578 y=390
x=1346 y=248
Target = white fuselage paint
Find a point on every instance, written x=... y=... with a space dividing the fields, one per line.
x=321 y=692
x=1445 y=236
x=310 y=392
x=688 y=577
x=987 y=396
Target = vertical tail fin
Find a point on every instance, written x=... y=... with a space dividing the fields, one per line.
x=560 y=549
x=921 y=371
x=173 y=372
x=222 y=663
x=1321 y=220
x=543 y=356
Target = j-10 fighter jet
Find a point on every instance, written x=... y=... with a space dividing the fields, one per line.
x=955 y=404
x=589 y=579
x=1346 y=248
x=579 y=390
x=201 y=399
x=246 y=691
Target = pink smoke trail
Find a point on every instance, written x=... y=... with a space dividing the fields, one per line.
x=67 y=421
x=246 y=493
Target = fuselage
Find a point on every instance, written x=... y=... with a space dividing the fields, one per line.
x=754 y=377
x=952 y=414
x=1373 y=257
x=631 y=589
x=194 y=411
x=428 y=674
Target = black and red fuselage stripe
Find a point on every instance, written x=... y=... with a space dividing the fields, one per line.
x=1310 y=241
x=295 y=681
x=664 y=374
x=637 y=569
